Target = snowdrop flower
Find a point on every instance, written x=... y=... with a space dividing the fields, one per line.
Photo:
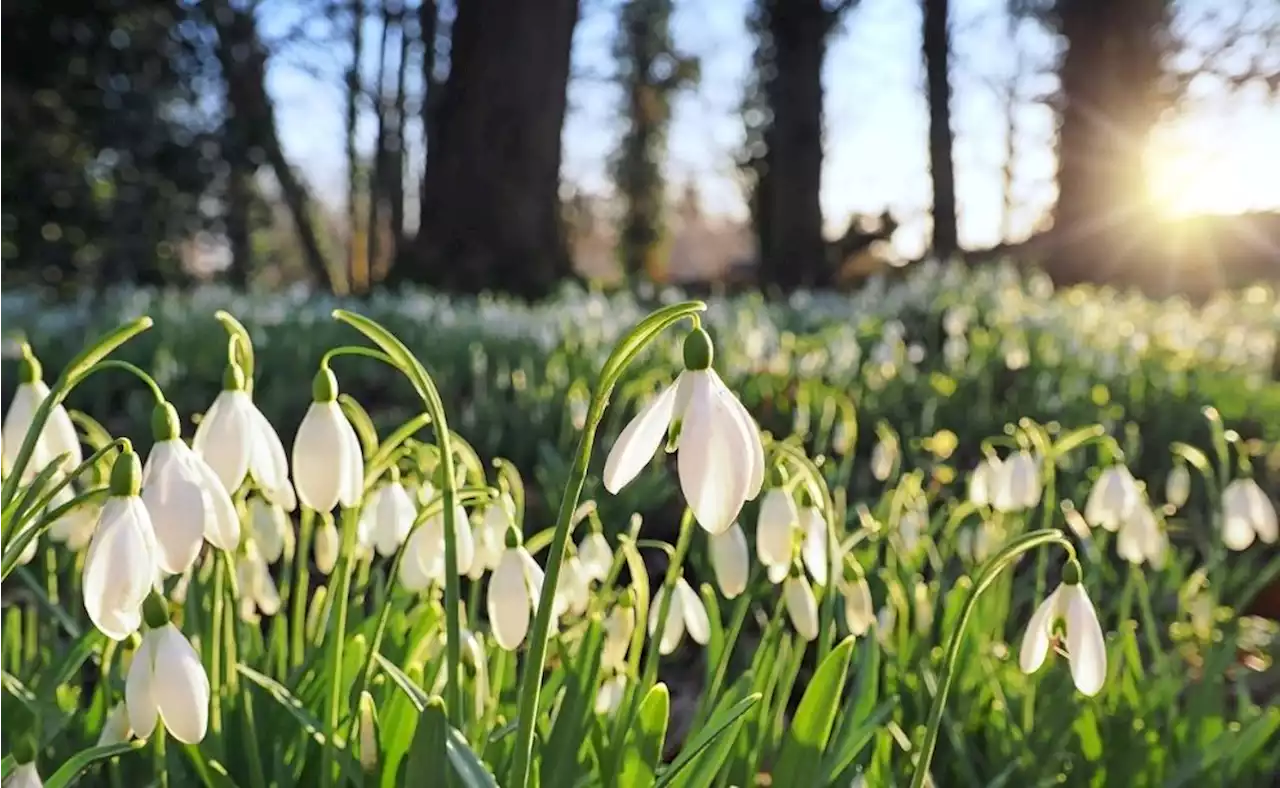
x=1086 y=649
x=393 y=514
x=258 y=592
x=686 y=612
x=238 y=442
x=58 y=435
x=1113 y=499
x=1177 y=486
x=328 y=467
x=814 y=548
x=75 y=527
x=116 y=729
x=913 y=523
x=610 y=694
x=596 y=556
x=984 y=481
x=121 y=564
x=719 y=452
x=514 y=590
x=923 y=608
x=619 y=625
x=272 y=531
x=730 y=561
x=776 y=525
x=885 y=621
x=29 y=551
x=489 y=539
x=186 y=501
x=859 y=610
x=24 y=776
x=883 y=458
x=573 y=588
x=1018 y=483
x=167 y=682
x=801 y=605
x=423 y=560
x=1141 y=539
x=327 y=545
x=1246 y=513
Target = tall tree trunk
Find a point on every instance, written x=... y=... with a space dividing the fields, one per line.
x=353 y=154
x=937 y=56
x=244 y=67
x=1109 y=103
x=793 y=251
x=378 y=178
x=395 y=185
x=428 y=27
x=491 y=194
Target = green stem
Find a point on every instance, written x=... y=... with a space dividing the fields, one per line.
x=346 y=563
x=990 y=571
x=301 y=584
x=215 y=653
x=162 y=768
x=531 y=678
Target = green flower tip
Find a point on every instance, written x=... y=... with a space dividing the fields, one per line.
x=126 y=474
x=165 y=425
x=513 y=538
x=324 y=386
x=232 y=377
x=24 y=750
x=698 y=350
x=155 y=610
x=29 y=369
x=1071 y=572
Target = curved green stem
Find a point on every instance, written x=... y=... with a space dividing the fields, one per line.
x=988 y=574
x=354 y=350
x=342 y=593
x=531 y=678
x=239 y=345
x=133 y=369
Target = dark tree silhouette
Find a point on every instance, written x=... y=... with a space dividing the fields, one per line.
x=937 y=56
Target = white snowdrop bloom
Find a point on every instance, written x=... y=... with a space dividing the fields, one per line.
x=730 y=561
x=167 y=682
x=116 y=729
x=490 y=536
x=923 y=606
x=121 y=564
x=883 y=457
x=1113 y=499
x=610 y=694
x=258 y=592
x=328 y=543
x=272 y=531
x=886 y=619
x=1018 y=483
x=1247 y=513
x=859 y=610
x=801 y=605
x=1085 y=646
x=1141 y=539
x=473 y=655
x=75 y=527
x=58 y=435
x=514 y=590
x=24 y=776
x=814 y=549
x=719 y=453
x=912 y=525
x=686 y=613
x=186 y=501
x=425 y=548
x=393 y=514
x=1177 y=486
x=776 y=525
x=596 y=556
x=328 y=467
x=983 y=481
x=238 y=442
x=573 y=588
x=619 y=625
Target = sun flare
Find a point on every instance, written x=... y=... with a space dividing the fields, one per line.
x=1215 y=166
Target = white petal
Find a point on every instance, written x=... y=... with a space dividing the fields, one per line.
x=1237 y=530
x=618 y=628
x=693 y=612
x=267 y=463
x=777 y=572
x=1177 y=487
x=609 y=697
x=61 y=436
x=352 y=489
x=222 y=528
x=859 y=610
x=177 y=504
x=776 y=522
x=639 y=441
x=814 y=550
x=327 y=545
x=730 y=561
x=116 y=729
x=413 y=572
x=713 y=457
x=120 y=567
x=464 y=545
x=1086 y=648
x=138 y=696
x=319 y=456
x=1035 y=642
x=752 y=431
x=180 y=686
x=1261 y=511
x=596 y=556
x=222 y=438
x=801 y=607
x=508 y=599
x=673 y=629
x=393 y=514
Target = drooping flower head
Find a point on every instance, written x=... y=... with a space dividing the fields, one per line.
x=123 y=558
x=1067 y=609
x=57 y=437
x=328 y=467
x=167 y=682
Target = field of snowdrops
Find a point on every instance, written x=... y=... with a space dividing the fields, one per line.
x=960 y=530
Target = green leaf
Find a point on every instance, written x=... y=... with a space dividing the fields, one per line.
x=415 y=694
x=1076 y=439
x=569 y=734
x=286 y=699
x=720 y=731
x=1198 y=459
x=72 y=769
x=427 y=754
x=643 y=749
x=806 y=740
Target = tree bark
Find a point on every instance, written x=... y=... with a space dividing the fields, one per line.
x=491 y=206
x=937 y=56
x=793 y=250
x=353 y=154
x=428 y=26
x=378 y=207
x=395 y=187
x=1109 y=103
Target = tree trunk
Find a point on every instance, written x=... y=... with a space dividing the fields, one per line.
x=428 y=26
x=793 y=251
x=491 y=205
x=378 y=207
x=244 y=67
x=353 y=155
x=1109 y=103
x=937 y=54
x=395 y=187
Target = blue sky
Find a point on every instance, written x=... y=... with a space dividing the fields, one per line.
x=876 y=122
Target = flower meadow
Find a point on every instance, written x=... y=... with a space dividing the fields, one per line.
x=954 y=530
